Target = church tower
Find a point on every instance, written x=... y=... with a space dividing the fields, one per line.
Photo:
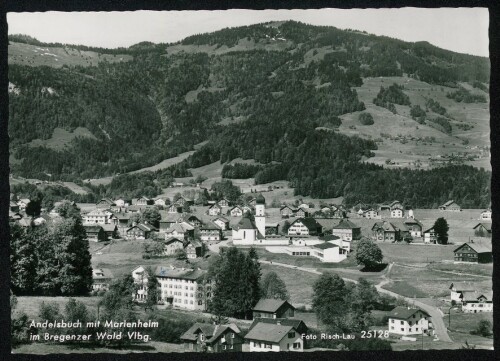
x=260 y=214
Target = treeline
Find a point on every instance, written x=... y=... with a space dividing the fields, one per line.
x=387 y=97
x=462 y=95
x=240 y=170
x=443 y=124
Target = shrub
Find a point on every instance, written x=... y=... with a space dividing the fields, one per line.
x=484 y=328
x=366 y=119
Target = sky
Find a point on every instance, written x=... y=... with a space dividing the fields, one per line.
x=463 y=30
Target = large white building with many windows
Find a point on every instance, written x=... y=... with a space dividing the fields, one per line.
x=407 y=321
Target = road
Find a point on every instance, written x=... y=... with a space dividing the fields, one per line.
x=437 y=320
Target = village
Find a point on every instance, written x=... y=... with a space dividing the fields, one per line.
x=298 y=240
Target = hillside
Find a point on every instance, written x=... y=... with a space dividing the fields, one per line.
x=258 y=92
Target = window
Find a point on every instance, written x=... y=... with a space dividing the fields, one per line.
x=202 y=337
x=402 y=329
x=291 y=334
x=257 y=344
x=392 y=327
x=232 y=334
x=268 y=345
x=392 y=321
x=231 y=347
x=223 y=347
x=401 y=322
x=296 y=345
x=200 y=302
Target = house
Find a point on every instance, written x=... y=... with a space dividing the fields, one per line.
x=224 y=202
x=303 y=212
x=174 y=208
x=210 y=232
x=110 y=230
x=182 y=231
x=98 y=216
x=414 y=227
x=273 y=308
x=272 y=228
x=183 y=200
x=160 y=202
x=450 y=206
x=205 y=337
x=485 y=215
x=236 y=211
x=105 y=203
x=214 y=210
x=143 y=201
x=346 y=230
x=359 y=206
x=287 y=211
x=122 y=203
x=430 y=236
x=385 y=231
x=194 y=249
x=23 y=203
x=192 y=220
x=370 y=214
x=329 y=252
x=184 y=288
x=482 y=229
x=38 y=221
x=457 y=289
x=222 y=223
x=13 y=206
x=304 y=226
x=101 y=279
x=475 y=302
x=172 y=245
x=407 y=321
x=252 y=202
x=140 y=276
x=122 y=220
x=246 y=232
x=169 y=219
x=267 y=337
x=397 y=212
x=95 y=232
x=299 y=325
x=141 y=231
x=395 y=205
x=473 y=253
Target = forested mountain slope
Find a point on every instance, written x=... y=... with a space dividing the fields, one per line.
x=277 y=92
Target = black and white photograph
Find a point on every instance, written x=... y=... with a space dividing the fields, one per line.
x=294 y=180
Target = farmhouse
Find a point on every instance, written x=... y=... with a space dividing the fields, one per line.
x=160 y=202
x=122 y=202
x=96 y=216
x=204 y=337
x=286 y=211
x=101 y=279
x=329 y=252
x=397 y=212
x=111 y=230
x=174 y=208
x=303 y=212
x=192 y=220
x=475 y=302
x=94 y=232
x=214 y=210
x=23 y=203
x=123 y=220
x=359 y=206
x=346 y=230
x=224 y=202
x=236 y=211
x=370 y=214
x=194 y=249
x=450 y=206
x=430 y=236
x=473 y=253
x=408 y=321
x=265 y=337
x=181 y=231
x=143 y=201
x=485 y=215
x=299 y=325
x=210 y=232
x=482 y=229
x=304 y=226
x=386 y=231
x=222 y=223
x=172 y=245
x=414 y=227
x=457 y=290
x=273 y=308
x=140 y=231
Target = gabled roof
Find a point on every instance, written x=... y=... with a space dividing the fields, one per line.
x=172 y=240
x=486 y=226
x=472 y=296
x=225 y=220
x=194 y=243
x=101 y=273
x=109 y=227
x=462 y=286
x=413 y=221
x=385 y=226
x=286 y=206
x=447 y=204
x=90 y=228
x=177 y=227
x=212 y=332
x=345 y=224
x=310 y=223
x=295 y=323
x=479 y=248
x=239 y=207
x=404 y=313
x=268 y=332
x=215 y=205
x=144 y=227
x=210 y=226
x=270 y=305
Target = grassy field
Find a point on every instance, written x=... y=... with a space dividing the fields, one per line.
x=46 y=349
x=415 y=254
x=33 y=55
x=31 y=304
x=478 y=269
x=61 y=138
x=404 y=154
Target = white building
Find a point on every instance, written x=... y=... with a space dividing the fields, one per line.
x=97 y=216
x=475 y=302
x=246 y=233
x=485 y=215
x=329 y=252
x=397 y=213
x=430 y=236
x=260 y=216
x=267 y=337
x=407 y=321
x=140 y=277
